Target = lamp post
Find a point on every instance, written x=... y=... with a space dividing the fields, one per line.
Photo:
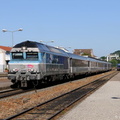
x=47 y=41
x=5 y=30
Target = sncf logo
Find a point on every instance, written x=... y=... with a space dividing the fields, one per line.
x=30 y=66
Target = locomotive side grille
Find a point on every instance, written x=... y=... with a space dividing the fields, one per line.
x=23 y=71
x=22 y=66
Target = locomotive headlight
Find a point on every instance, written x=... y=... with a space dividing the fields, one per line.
x=15 y=70
x=24 y=48
x=31 y=70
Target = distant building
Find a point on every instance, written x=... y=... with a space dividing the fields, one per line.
x=4 y=57
x=84 y=52
x=113 y=56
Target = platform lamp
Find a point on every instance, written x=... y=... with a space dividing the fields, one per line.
x=5 y=30
x=41 y=41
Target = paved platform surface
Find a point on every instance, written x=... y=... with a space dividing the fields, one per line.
x=104 y=104
x=5 y=83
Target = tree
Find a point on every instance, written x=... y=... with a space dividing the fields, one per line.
x=86 y=54
x=114 y=62
x=117 y=52
x=103 y=58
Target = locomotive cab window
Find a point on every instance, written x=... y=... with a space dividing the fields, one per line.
x=17 y=55
x=32 y=56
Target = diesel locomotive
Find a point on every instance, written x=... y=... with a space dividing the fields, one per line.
x=33 y=63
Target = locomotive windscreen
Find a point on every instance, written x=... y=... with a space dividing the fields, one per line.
x=17 y=55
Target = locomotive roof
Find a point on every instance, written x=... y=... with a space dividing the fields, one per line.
x=31 y=44
x=41 y=47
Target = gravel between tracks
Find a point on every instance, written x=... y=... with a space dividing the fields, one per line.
x=15 y=104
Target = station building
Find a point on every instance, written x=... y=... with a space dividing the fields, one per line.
x=84 y=52
x=4 y=57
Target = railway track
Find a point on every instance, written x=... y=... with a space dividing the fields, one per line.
x=50 y=109
x=12 y=92
x=6 y=90
x=3 y=75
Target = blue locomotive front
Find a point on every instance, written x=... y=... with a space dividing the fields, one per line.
x=33 y=62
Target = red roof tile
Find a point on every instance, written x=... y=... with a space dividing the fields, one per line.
x=5 y=48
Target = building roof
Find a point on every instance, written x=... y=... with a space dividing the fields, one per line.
x=5 y=48
x=82 y=52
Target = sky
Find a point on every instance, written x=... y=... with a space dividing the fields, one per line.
x=73 y=24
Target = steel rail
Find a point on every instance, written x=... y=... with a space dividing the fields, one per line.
x=13 y=92
x=7 y=90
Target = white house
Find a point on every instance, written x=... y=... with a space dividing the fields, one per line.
x=112 y=56
x=4 y=57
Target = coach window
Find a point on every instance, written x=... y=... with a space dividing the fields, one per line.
x=55 y=59
x=88 y=63
x=96 y=64
x=17 y=55
x=105 y=65
x=49 y=58
x=65 y=60
x=32 y=56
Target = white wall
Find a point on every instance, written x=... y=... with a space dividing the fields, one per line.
x=2 y=60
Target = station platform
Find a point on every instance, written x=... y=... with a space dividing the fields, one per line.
x=104 y=104
x=5 y=83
